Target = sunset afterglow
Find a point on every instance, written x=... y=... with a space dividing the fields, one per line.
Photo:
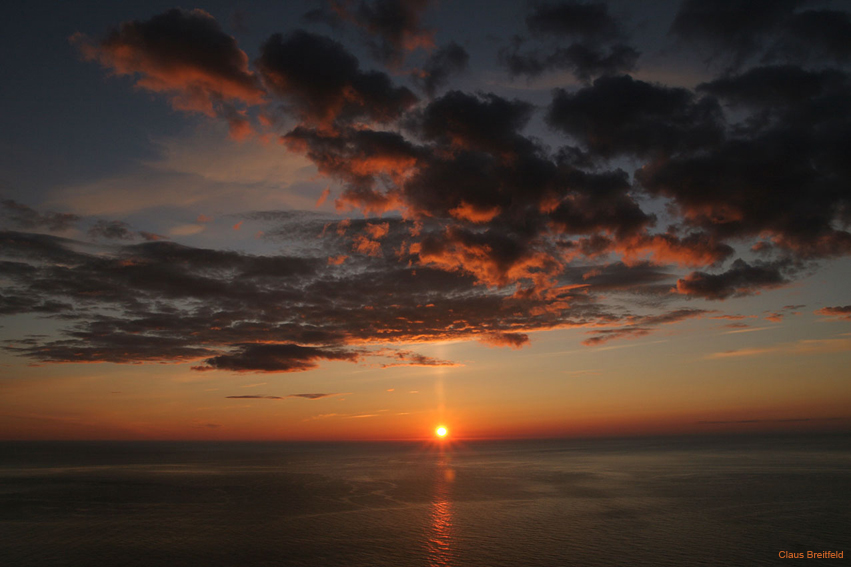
x=353 y=221
x=419 y=282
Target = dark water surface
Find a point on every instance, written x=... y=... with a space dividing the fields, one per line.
x=695 y=501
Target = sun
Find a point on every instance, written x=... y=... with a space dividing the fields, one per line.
x=441 y=431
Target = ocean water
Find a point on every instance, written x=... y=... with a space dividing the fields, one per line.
x=666 y=501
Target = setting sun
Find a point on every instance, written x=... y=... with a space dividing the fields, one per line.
x=441 y=431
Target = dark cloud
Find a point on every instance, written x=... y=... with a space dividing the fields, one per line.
x=488 y=233
x=621 y=115
x=773 y=30
x=408 y=358
x=642 y=326
x=261 y=397
x=17 y=304
x=671 y=317
x=152 y=270
x=513 y=340
x=324 y=82
x=596 y=46
x=605 y=335
x=584 y=61
x=163 y=302
x=728 y=28
x=81 y=345
x=311 y=396
x=814 y=36
x=391 y=27
x=588 y=21
x=484 y=122
x=255 y=397
x=183 y=54
x=112 y=230
x=17 y=215
x=776 y=86
x=494 y=196
x=443 y=63
x=787 y=183
x=740 y=279
x=38 y=248
x=617 y=276
x=276 y=358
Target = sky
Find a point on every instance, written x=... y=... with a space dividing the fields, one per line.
x=359 y=220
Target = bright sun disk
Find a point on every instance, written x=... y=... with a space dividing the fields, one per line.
x=441 y=431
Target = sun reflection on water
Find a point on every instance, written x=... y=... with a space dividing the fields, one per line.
x=439 y=542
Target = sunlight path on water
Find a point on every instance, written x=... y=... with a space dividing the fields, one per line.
x=439 y=544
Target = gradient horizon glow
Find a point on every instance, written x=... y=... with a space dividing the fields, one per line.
x=377 y=220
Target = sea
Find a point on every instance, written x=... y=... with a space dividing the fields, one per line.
x=680 y=501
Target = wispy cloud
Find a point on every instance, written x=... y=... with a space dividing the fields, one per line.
x=788 y=420
x=811 y=346
x=305 y=396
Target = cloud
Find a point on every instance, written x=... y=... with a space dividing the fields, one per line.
x=312 y=396
x=606 y=335
x=165 y=302
x=775 y=86
x=17 y=215
x=588 y=21
x=276 y=358
x=17 y=304
x=491 y=201
x=740 y=279
x=477 y=122
x=473 y=227
x=839 y=312
x=778 y=177
x=790 y=420
x=596 y=46
x=642 y=326
x=780 y=314
x=449 y=60
x=260 y=397
x=802 y=347
x=324 y=82
x=391 y=27
x=185 y=55
x=474 y=167
x=636 y=277
x=734 y=32
x=813 y=35
x=120 y=230
x=112 y=230
x=584 y=61
x=256 y=397
x=409 y=358
x=734 y=29
x=513 y=340
x=358 y=157
x=624 y=116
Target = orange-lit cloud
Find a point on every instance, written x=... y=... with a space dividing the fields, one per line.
x=839 y=312
x=183 y=54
